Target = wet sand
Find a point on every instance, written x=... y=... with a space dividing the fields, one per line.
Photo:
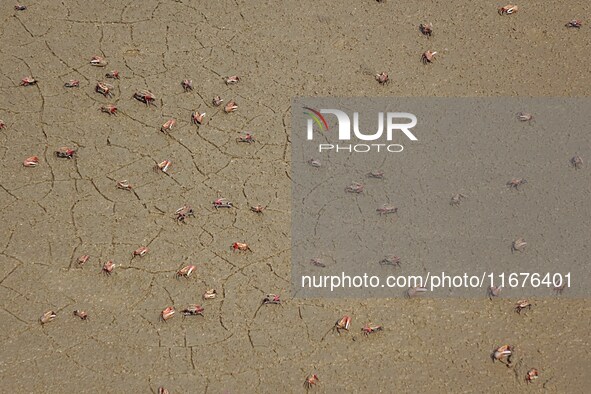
x=65 y=208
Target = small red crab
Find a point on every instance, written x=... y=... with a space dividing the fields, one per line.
x=508 y=9
x=104 y=89
x=428 y=57
x=342 y=324
x=241 y=246
x=210 y=294
x=258 y=208
x=20 y=7
x=108 y=268
x=166 y=127
x=317 y=262
x=494 y=291
x=456 y=199
x=81 y=314
x=163 y=166
x=415 y=291
x=390 y=260
x=183 y=212
x=383 y=78
x=532 y=375
x=72 y=83
x=197 y=118
x=311 y=381
x=248 y=138
x=145 y=96
x=167 y=313
x=516 y=182
x=231 y=106
x=518 y=245
x=501 y=353
x=355 y=188
x=65 y=153
x=185 y=272
x=26 y=81
x=113 y=74
x=217 y=101
x=376 y=174
x=272 y=299
x=109 y=109
x=187 y=85
x=522 y=305
x=2 y=124
x=140 y=251
x=576 y=162
x=387 y=209
x=371 y=328
x=222 y=203
x=32 y=161
x=47 y=317
x=426 y=29
x=576 y=23
x=234 y=79
x=98 y=61
x=193 y=310
x=524 y=116
x=83 y=259
x=315 y=163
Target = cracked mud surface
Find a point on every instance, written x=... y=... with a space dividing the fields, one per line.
x=62 y=209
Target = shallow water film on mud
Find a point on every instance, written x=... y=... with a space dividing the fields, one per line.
x=409 y=197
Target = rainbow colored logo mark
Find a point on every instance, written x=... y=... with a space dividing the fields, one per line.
x=318 y=118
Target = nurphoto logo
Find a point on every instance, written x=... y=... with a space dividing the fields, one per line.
x=391 y=119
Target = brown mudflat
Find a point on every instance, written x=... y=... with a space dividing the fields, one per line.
x=62 y=209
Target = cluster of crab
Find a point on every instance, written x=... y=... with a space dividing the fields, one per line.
x=50 y=316
x=343 y=324
x=504 y=355
x=426 y=29
x=144 y=96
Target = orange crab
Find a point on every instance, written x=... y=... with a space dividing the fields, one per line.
x=167 y=313
x=241 y=246
x=311 y=381
x=428 y=57
x=166 y=127
x=532 y=375
x=109 y=109
x=231 y=106
x=27 y=81
x=197 y=118
x=382 y=78
x=32 y=161
x=508 y=9
x=140 y=251
x=185 y=272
